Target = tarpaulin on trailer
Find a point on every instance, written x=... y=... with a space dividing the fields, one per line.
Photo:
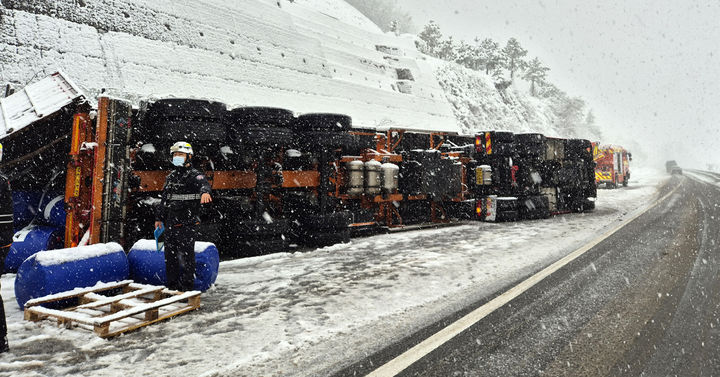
x=36 y=101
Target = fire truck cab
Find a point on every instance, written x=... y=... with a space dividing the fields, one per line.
x=612 y=165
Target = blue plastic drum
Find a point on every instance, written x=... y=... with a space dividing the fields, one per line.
x=147 y=265
x=25 y=206
x=52 y=210
x=54 y=271
x=29 y=241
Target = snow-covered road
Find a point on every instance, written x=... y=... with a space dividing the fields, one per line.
x=311 y=313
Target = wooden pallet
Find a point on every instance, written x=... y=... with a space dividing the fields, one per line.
x=110 y=315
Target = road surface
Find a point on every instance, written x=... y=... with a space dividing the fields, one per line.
x=645 y=301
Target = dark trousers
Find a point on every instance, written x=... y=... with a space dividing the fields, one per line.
x=3 y=325
x=180 y=257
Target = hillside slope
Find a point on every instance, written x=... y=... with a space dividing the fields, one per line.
x=304 y=55
x=478 y=105
x=254 y=52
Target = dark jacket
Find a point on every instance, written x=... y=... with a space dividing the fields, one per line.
x=180 y=204
x=6 y=212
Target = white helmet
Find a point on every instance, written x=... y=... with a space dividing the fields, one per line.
x=181 y=146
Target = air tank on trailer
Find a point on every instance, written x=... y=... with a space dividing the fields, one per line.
x=356 y=177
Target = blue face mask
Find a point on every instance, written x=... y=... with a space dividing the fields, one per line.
x=178 y=160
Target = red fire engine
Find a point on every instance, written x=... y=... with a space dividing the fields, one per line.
x=612 y=165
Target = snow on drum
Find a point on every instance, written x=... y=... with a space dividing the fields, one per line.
x=54 y=271
x=147 y=265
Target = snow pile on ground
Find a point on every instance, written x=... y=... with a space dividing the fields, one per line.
x=253 y=52
x=311 y=313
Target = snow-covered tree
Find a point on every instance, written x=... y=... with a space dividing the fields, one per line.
x=489 y=55
x=536 y=73
x=590 y=118
x=514 y=57
x=570 y=115
x=551 y=91
x=466 y=55
x=447 y=49
x=432 y=37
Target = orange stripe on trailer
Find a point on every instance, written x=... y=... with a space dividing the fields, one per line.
x=98 y=170
x=355 y=225
x=154 y=180
x=75 y=145
x=294 y=178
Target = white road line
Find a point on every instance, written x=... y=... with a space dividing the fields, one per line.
x=400 y=363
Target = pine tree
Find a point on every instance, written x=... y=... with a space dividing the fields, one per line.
x=590 y=119
x=570 y=115
x=488 y=55
x=466 y=55
x=447 y=50
x=514 y=57
x=432 y=37
x=536 y=73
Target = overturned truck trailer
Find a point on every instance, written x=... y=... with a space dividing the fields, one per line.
x=281 y=179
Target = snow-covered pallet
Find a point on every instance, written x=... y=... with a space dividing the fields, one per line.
x=110 y=315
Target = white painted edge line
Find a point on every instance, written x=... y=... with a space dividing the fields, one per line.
x=411 y=356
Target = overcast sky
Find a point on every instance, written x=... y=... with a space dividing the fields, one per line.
x=649 y=69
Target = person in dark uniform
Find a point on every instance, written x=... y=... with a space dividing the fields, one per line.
x=6 y=237
x=185 y=190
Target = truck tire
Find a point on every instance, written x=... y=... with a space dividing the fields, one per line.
x=508 y=216
x=185 y=108
x=534 y=207
x=588 y=205
x=328 y=239
x=626 y=178
x=251 y=248
x=323 y=140
x=328 y=229
x=336 y=220
x=190 y=130
x=261 y=116
x=323 y=122
x=262 y=137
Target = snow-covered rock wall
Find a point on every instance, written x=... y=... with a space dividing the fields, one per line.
x=251 y=52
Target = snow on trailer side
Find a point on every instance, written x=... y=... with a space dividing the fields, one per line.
x=36 y=101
